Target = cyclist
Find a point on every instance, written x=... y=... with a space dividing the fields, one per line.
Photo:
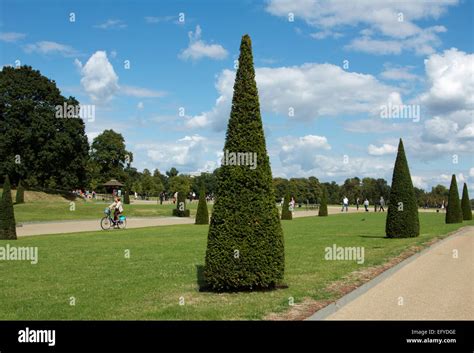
x=117 y=207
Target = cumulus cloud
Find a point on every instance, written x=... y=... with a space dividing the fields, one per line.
x=382 y=150
x=198 y=49
x=99 y=79
x=308 y=91
x=186 y=154
x=451 y=78
x=398 y=73
x=140 y=92
x=393 y=22
x=48 y=47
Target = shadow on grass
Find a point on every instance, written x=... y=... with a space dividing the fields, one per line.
x=204 y=287
x=374 y=236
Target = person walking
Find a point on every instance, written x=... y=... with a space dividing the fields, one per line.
x=382 y=204
x=366 y=205
x=345 y=204
x=357 y=203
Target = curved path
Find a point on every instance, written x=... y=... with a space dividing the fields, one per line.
x=436 y=284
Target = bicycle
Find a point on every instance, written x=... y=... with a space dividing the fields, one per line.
x=107 y=222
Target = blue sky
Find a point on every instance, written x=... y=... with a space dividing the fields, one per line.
x=325 y=70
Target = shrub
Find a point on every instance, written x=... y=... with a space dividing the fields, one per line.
x=20 y=193
x=323 y=207
x=285 y=211
x=454 y=212
x=7 y=215
x=126 y=197
x=466 y=204
x=402 y=215
x=245 y=248
x=180 y=210
x=202 y=214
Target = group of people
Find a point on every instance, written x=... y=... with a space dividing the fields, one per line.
x=345 y=204
x=85 y=194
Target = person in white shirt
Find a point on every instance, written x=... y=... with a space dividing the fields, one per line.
x=366 y=205
x=345 y=204
x=117 y=207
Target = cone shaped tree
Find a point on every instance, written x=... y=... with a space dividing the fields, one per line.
x=466 y=204
x=245 y=241
x=453 y=210
x=20 y=193
x=7 y=216
x=323 y=207
x=126 y=197
x=285 y=210
x=402 y=216
x=180 y=210
x=202 y=214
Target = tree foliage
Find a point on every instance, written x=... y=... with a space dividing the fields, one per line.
x=245 y=247
x=402 y=216
x=36 y=145
x=465 y=204
x=202 y=214
x=454 y=212
x=7 y=215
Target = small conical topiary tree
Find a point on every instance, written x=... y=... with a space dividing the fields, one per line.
x=126 y=197
x=453 y=210
x=466 y=204
x=402 y=215
x=245 y=248
x=202 y=214
x=181 y=210
x=20 y=193
x=323 y=207
x=285 y=210
x=7 y=215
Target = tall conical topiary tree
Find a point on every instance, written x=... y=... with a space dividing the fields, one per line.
x=126 y=197
x=285 y=210
x=453 y=210
x=466 y=204
x=323 y=207
x=20 y=193
x=245 y=242
x=7 y=215
x=181 y=210
x=202 y=214
x=402 y=216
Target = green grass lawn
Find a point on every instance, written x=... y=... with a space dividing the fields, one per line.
x=53 y=211
x=163 y=267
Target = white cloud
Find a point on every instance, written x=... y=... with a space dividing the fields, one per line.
x=451 y=78
x=382 y=150
x=99 y=79
x=419 y=182
x=48 y=47
x=199 y=49
x=312 y=90
x=140 y=105
x=326 y=34
x=398 y=73
x=423 y=43
x=471 y=172
x=394 y=21
x=11 y=37
x=186 y=154
x=112 y=24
